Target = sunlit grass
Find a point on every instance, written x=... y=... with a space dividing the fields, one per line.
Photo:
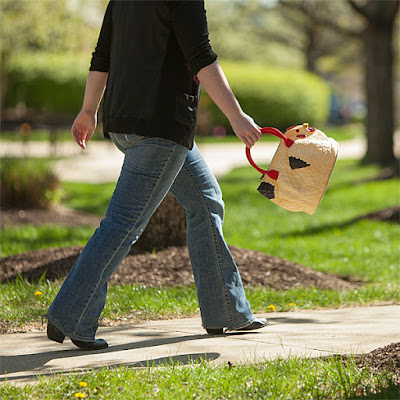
x=292 y=378
x=329 y=241
x=88 y=197
x=20 y=304
x=16 y=240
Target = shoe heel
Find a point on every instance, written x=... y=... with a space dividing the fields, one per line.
x=215 y=331
x=54 y=333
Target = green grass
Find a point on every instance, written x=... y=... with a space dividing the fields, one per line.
x=20 y=306
x=328 y=241
x=294 y=378
x=88 y=197
x=16 y=240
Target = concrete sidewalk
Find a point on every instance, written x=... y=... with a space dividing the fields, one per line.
x=102 y=161
x=302 y=333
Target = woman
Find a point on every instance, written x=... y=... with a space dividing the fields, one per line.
x=149 y=60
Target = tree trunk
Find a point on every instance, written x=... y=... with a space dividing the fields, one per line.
x=3 y=78
x=311 y=50
x=380 y=98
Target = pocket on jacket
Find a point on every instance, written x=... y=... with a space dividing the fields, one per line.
x=186 y=109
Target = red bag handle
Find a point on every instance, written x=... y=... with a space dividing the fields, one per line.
x=271 y=131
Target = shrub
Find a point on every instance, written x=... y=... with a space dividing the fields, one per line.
x=274 y=97
x=50 y=82
x=27 y=183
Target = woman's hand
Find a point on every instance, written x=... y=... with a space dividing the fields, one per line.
x=83 y=127
x=86 y=121
x=246 y=129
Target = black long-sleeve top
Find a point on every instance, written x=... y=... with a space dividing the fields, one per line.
x=152 y=51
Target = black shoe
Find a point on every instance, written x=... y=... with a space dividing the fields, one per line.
x=215 y=331
x=258 y=323
x=96 y=344
x=54 y=333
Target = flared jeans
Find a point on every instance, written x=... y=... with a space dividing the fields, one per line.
x=153 y=167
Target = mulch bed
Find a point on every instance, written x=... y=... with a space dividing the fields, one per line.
x=380 y=360
x=167 y=267
x=171 y=267
x=383 y=359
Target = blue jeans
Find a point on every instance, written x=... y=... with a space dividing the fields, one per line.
x=152 y=167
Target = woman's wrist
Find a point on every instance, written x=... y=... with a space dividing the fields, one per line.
x=235 y=115
x=89 y=111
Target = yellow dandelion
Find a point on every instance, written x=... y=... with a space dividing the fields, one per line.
x=271 y=307
x=38 y=294
x=292 y=304
x=83 y=384
x=80 y=395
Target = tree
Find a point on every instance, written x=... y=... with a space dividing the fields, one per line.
x=310 y=36
x=373 y=24
x=379 y=60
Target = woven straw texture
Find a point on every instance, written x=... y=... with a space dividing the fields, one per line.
x=304 y=169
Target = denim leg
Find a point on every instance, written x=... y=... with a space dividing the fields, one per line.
x=220 y=292
x=150 y=167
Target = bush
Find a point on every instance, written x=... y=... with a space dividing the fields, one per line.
x=54 y=83
x=27 y=183
x=274 y=97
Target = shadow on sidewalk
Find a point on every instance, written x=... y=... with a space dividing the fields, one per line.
x=36 y=362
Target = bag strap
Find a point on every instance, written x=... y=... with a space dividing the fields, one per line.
x=270 y=131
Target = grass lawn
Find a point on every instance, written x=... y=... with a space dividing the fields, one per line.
x=282 y=379
x=329 y=241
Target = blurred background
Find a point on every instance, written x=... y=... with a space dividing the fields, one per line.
x=333 y=64
x=288 y=61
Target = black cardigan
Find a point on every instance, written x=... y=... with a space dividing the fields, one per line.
x=153 y=51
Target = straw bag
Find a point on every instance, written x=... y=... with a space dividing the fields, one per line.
x=299 y=172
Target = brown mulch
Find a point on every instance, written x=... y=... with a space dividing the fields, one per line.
x=382 y=359
x=167 y=267
x=171 y=267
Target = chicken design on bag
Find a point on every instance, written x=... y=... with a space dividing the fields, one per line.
x=299 y=173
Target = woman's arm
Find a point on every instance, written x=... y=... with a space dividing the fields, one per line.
x=213 y=80
x=86 y=121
